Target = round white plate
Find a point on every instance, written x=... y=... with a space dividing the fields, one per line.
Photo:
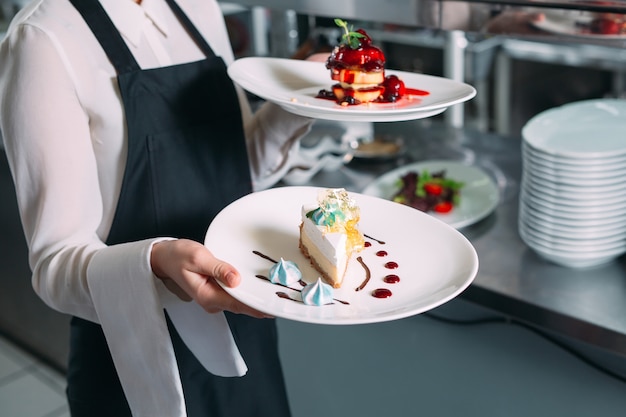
x=572 y=164
x=574 y=259
x=435 y=262
x=578 y=188
x=571 y=23
x=581 y=200
x=535 y=199
x=573 y=245
x=579 y=233
x=582 y=130
x=294 y=84
x=563 y=225
x=567 y=218
x=569 y=238
x=479 y=195
x=539 y=170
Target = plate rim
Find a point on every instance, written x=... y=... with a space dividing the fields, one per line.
x=468 y=270
x=344 y=113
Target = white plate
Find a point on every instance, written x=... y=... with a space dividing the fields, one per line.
x=566 y=218
x=570 y=23
x=436 y=262
x=479 y=195
x=572 y=164
x=293 y=85
x=570 y=238
x=580 y=200
x=563 y=226
x=581 y=130
x=535 y=199
x=575 y=259
x=579 y=187
x=558 y=174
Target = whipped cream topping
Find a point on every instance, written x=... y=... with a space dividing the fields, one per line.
x=317 y=294
x=285 y=273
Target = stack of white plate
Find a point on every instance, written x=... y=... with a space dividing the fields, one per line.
x=573 y=190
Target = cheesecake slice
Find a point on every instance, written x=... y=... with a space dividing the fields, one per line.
x=329 y=234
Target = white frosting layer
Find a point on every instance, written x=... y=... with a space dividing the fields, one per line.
x=331 y=245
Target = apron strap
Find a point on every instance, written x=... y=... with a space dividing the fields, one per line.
x=191 y=29
x=107 y=34
x=112 y=42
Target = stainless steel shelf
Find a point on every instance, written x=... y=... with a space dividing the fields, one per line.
x=587 y=305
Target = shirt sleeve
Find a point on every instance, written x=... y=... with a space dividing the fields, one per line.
x=49 y=147
x=48 y=144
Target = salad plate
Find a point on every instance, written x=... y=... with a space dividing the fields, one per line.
x=479 y=195
x=294 y=85
x=434 y=262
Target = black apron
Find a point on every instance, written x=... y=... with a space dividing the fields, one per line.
x=186 y=161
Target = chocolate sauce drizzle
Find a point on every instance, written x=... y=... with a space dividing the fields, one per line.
x=380 y=242
x=368 y=274
x=262 y=255
x=286 y=296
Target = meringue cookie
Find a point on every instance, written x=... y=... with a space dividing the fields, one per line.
x=317 y=294
x=285 y=273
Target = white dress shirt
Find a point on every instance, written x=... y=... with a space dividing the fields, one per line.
x=65 y=136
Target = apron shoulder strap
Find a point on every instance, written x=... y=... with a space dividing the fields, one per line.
x=107 y=34
x=191 y=29
x=111 y=40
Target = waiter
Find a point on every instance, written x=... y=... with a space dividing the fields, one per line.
x=125 y=137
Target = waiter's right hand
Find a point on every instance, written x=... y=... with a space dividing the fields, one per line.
x=190 y=271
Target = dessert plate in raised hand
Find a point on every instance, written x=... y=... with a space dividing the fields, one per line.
x=294 y=84
x=434 y=262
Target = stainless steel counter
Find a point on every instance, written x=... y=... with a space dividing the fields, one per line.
x=586 y=305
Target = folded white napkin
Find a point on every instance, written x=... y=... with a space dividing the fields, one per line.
x=129 y=302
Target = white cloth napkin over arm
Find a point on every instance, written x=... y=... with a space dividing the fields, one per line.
x=126 y=297
x=207 y=335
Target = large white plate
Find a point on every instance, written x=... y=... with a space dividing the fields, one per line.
x=588 y=129
x=435 y=262
x=479 y=195
x=293 y=84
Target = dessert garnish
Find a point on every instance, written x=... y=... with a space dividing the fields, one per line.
x=358 y=67
x=317 y=294
x=285 y=273
x=427 y=191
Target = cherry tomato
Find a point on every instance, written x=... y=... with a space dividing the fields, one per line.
x=443 y=207
x=433 y=189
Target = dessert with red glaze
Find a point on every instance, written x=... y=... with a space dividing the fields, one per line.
x=358 y=67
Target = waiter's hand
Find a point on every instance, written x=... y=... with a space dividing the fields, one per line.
x=190 y=271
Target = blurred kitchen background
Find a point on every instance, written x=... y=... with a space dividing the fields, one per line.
x=542 y=341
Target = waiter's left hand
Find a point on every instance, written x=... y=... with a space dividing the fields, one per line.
x=190 y=271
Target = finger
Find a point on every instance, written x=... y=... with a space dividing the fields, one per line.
x=226 y=274
x=213 y=298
